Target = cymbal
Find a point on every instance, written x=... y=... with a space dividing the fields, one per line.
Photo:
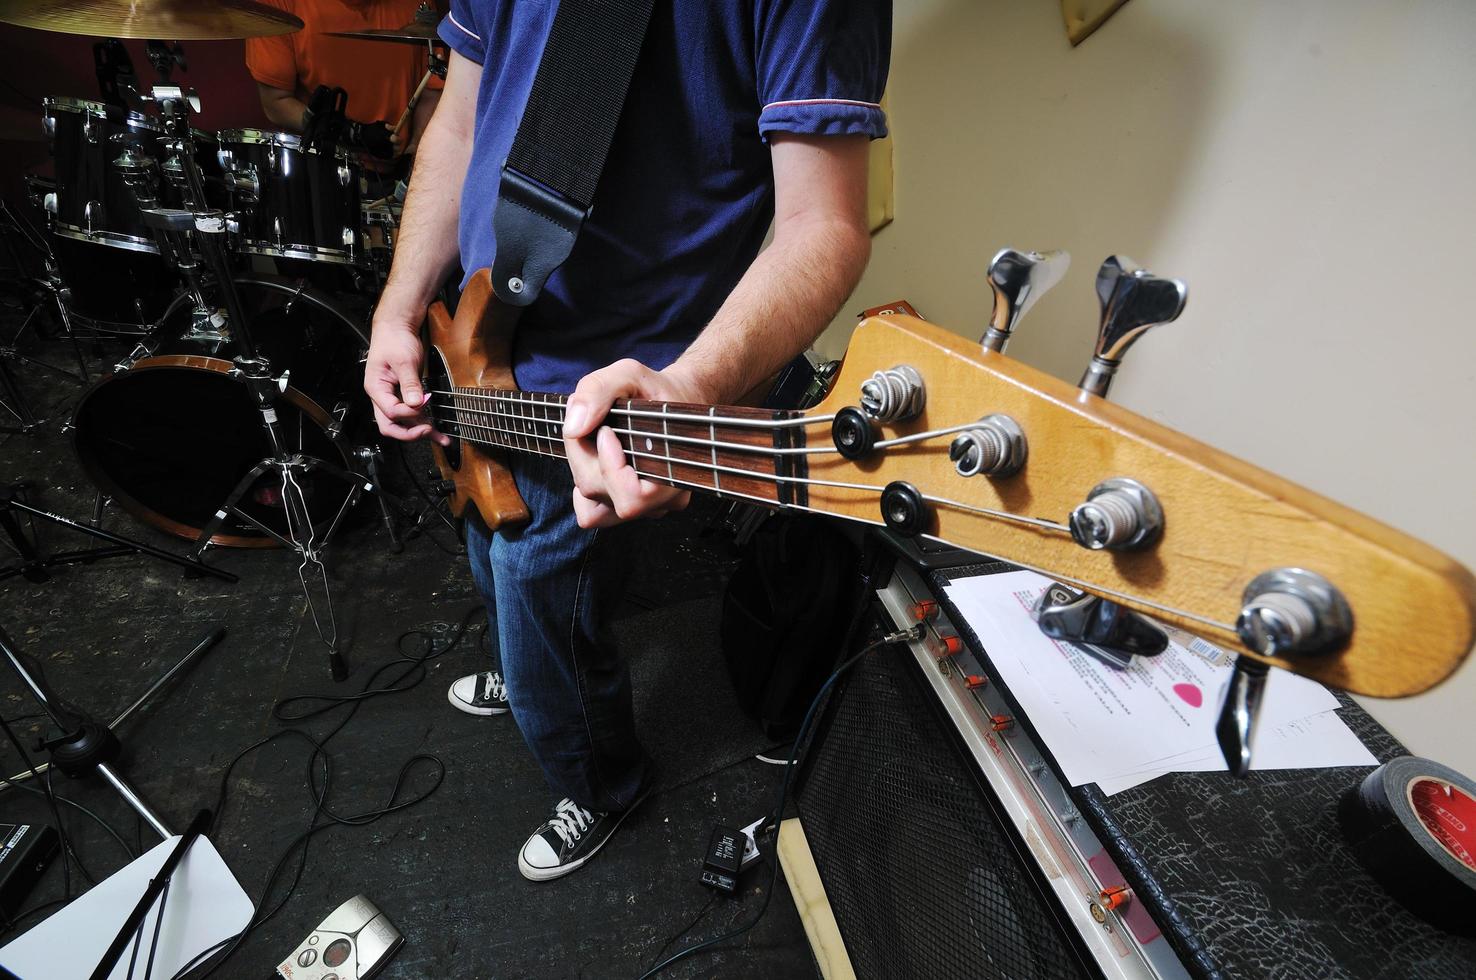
x=415 y=32
x=422 y=28
x=175 y=20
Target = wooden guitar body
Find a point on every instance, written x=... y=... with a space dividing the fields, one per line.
x=475 y=351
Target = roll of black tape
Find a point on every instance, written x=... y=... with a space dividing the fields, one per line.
x=1412 y=823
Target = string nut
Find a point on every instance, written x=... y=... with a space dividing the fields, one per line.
x=903 y=509
x=1118 y=515
x=1293 y=610
x=853 y=433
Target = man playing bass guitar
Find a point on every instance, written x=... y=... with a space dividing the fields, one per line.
x=737 y=114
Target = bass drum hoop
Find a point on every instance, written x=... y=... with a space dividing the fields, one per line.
x=207 y=363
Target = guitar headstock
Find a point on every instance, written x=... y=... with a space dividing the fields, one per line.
x=941 y=437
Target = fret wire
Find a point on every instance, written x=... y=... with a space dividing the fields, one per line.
x=666 y=428
x=635 y=462
x=717 y=483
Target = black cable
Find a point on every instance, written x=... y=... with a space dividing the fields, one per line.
x=701 y=913
x=61 y=830
x=783 y=794
x=432 y=506
x=132 y=852
x=319 y=774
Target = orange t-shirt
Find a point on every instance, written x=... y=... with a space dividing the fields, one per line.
x=379 y=76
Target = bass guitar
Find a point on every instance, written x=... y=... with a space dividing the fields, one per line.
x=928 y=433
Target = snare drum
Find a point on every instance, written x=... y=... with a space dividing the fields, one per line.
x=290 y=200
x=381 y=225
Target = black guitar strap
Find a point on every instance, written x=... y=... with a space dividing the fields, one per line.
x=554 y=166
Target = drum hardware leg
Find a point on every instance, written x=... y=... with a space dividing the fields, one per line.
x=13 y=401
x=34 y=565
x=86 y=746
x=371 y=456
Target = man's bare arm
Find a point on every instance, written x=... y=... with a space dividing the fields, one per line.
x=791 y=291
x=283 y=108
x=424 y=255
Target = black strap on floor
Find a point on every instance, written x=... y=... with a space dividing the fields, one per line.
x=549 y=179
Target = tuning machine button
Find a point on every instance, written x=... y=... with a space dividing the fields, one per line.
x=1237 y=721
x=1293 y=611
x=1134 y=301
x=1017 y=280
x=994 y=446
x=1118 y=515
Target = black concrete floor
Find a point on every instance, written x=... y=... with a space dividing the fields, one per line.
x=445 y=869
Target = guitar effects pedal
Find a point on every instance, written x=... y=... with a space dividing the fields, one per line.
x=352 y=943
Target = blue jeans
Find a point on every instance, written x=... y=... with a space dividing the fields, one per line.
x=550 y=587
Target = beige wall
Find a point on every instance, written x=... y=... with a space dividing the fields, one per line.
x=1308 y=167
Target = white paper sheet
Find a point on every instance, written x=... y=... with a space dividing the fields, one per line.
x=206 y=905
x=1118 y=728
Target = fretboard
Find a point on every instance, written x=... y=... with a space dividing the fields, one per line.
x=743 y=453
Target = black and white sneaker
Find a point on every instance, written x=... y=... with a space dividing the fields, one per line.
x=569 y=838
x=479 y=694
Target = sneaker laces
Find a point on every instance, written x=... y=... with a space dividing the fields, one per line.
x=494 y=689
x=570 y=820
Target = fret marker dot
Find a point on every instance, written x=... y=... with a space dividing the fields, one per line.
x=649 y=445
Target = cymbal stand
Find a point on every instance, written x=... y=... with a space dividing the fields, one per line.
x=199 y=230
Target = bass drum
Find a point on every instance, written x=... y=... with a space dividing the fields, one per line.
x=171 y=436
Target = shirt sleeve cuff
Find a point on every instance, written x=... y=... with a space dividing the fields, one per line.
x=462 y=39
x=287 y=83
x=823 y=117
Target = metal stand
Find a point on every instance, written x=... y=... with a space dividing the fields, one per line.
x=197 y=230
x=85 y=745
x=33 y=565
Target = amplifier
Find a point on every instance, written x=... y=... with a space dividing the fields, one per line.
x=948 y=845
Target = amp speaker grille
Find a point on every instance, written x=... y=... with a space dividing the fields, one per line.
x=923 y=879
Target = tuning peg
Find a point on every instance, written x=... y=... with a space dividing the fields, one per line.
x=1134 y=301
x=1293 y=611
x=1018 y=279
x=1110 y=632
x=1284 y=611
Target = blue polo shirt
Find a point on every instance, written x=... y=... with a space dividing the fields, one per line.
x=687 y=193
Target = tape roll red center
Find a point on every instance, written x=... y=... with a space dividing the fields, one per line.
x=1448 y=814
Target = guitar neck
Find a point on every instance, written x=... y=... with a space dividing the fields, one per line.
x=742 y=453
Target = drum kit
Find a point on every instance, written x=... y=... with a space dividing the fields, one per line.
x=238 y=419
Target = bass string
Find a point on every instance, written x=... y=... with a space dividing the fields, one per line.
x=540 y=400
x=767 y=449
x=775 y=478
x=682 y=483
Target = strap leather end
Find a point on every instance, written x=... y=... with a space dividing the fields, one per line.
x=535 y=230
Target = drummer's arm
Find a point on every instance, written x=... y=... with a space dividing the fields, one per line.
x=424 y=110
x=283 y=108
x=425 y=253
